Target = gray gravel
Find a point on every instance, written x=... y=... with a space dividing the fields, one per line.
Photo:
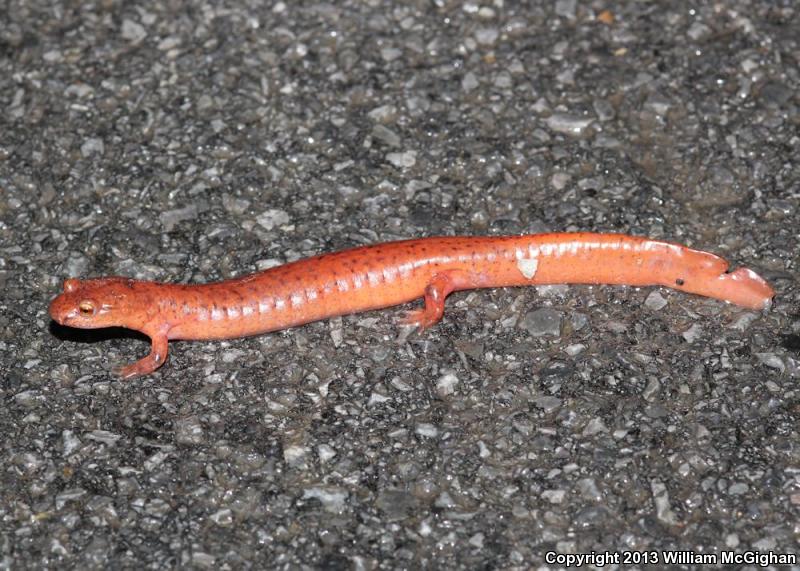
x=186 y=142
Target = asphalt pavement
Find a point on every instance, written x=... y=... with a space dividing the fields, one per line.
x=192 y=142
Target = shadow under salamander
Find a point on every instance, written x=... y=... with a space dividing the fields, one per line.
x=77 y=335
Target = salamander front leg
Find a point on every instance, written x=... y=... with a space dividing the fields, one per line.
x=440 y=286
x=148 y=364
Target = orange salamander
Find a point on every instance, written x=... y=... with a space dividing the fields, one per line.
x=382 y=275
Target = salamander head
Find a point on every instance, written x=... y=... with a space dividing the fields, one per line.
x=95 y=303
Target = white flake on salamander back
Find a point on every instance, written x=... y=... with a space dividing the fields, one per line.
x=528 y=267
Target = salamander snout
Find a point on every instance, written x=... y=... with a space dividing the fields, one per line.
x=64 y=311
x=60 y=312
x=91 y=304
x=74 y=307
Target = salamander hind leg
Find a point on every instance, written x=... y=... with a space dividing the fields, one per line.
x=440 y=286
x=148 y=364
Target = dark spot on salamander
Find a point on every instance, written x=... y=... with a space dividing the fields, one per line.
x=679 y=282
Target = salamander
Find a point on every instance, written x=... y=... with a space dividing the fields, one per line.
x=392 y=273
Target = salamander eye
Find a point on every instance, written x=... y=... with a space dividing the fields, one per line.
x=86 y=308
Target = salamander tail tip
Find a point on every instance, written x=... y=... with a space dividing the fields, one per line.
x=747 y=288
